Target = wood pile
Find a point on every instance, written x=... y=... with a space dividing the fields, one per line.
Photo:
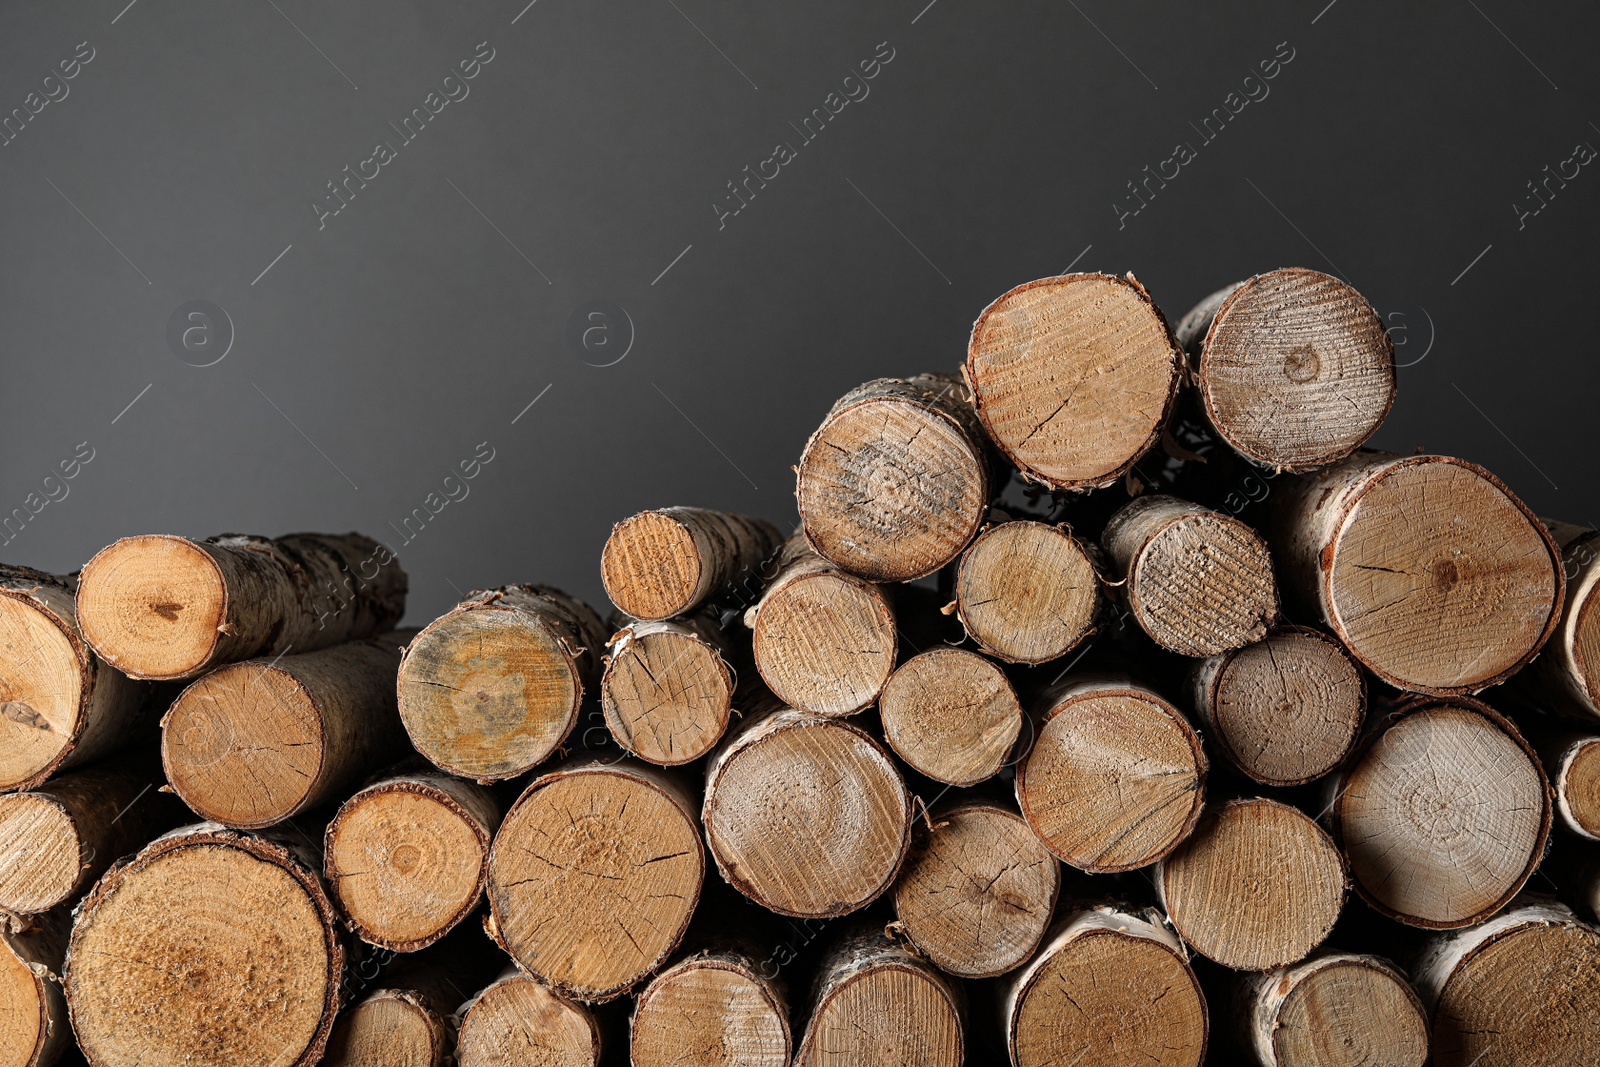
x=1110 y=704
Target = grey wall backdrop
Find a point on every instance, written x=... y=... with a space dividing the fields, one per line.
x=574 y=160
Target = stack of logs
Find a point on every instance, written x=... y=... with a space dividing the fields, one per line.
x=1093 y=681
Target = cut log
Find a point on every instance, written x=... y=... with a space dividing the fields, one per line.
x=1429 y=570
x=406 y=858
x=895 y=482
x=60 y=705
x=1444 y=814
x=1573 y=765
x=56 y=840
x=491 y=688
x=1257 y=885
x=1116 y=776
x=389 y=1028
x=594 y=875
x=1197 y=581
x=35 y=1031
x=824 y=639
x=658 y=564
x=951 y=715
x=1028 y=592
x=1074 y=377
x=716 y=1008
x=166 y=607
x=254 y=743
x=1109 y=987
x=518 y=1020
x=1521 y=990
x=1285 y=710
x=210 y=948
x=1335 y=1010
x=806 y=815
x=667 y=692
x=1570 y=665
x=875 y=1003
x=978 y=889
x=1295 y=367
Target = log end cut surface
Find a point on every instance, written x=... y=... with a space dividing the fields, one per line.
x=1203 y=585
x=387 y=1031
x=518 y=1021
x=41 y=692
x=825 y=642
x=710 y=1015
x=41 y=854
x=951 y=714
x=151 y=605
x=25 y=1010
x=667 y=696
x=1350 y=1013
x=1580 y=788
x=884 y=1015
x=1027 y=591
x=651 y=566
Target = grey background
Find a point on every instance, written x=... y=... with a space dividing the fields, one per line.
x=378 y=351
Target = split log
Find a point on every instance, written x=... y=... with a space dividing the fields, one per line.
x=209 y=948
x=876 y=1003
x=1444 y=814
x=407 y=858
x=594 y=875
x=56 y=840
x=35 y=1031
x=1521 y=990
x=492 y=687
x=1335 y=1010
x=895 y=482
x=254 y=743
x=1116 y=776
x=658 y=564
x=806 y=815
x=1570 y=665
x=978 y=890
x=1197 y=581
x=1295 y=367
x=1028 y=592
x=824 y=639
x=1108 y=987
x=1429 y=570
x=1074 y=377
x=60 y=705
x=1285 y=710
x=518 y=1020
x=715 y=1008
x=951 y=715
x=667 y=692
x=166 y=607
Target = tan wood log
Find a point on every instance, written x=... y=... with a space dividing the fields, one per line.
x=1115 y=777
x=210 y=948
x=1295 y=367
x=875 y=1003
x=658 y=564
x=668 y=688
x=806 y=815
x=714 y=1008
x=1568 y=671
x=1520 y=990
x=594 y=875
x=1074 y=377
x=61 y=706
x=1197 y=581
x=1572 y=763
x=36 y=1032
x=1430 y=571
x=978 y=889
x=158 y=606
x=520 y=1020
x=952 y=715
x=1444 y=813
x=254 y=743
x=1285 y=710
x=406 y=858
x=1336 y=1009
x=390 y=1028
x=1029 y=592
x=824 y=640
x=492 y=688
x=1109 y=986
x=895 y=482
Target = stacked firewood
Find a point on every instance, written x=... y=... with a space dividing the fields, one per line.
x=1110 y=705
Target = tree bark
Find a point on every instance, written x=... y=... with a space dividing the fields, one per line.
x=492 y=688
x=1294 y=367
x=1336 y=1009
x=1568 y=672
x=254 y=743
x=517 y=1019
x=164 y=607
x=1074 y=377
x=952 y=715
x=658 y=564
x=715 y=1008
x=32 y=948
x=668 y=688
x=1029 y=592
x=1427 y=568
x=895 y=482
x=61 y=706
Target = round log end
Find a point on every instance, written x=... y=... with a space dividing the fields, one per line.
x=1027 y=591
x=667 y=696
x=825 y=642
x=712 y=1013
x=882 y=1011
x=1203 y=584
x=951 y=714
x=518 y=1020
x=41 y=853
x=42 y=676
x=1578 y=789
x=388 y=1029
x=35 y=1018
x=152 y=606
x=652 y=566
x=1345 y=1011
